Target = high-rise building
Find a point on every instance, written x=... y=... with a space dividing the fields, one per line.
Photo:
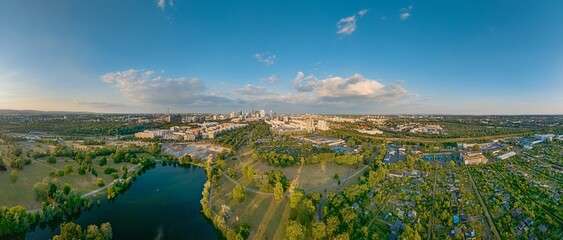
x=310 y=125
x=271 y=114
x=262 y=113
x=323 y=125
x=233 y=115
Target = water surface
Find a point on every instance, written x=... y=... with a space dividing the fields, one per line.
x=163 y=203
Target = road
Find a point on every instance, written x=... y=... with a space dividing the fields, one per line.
x=497 y=236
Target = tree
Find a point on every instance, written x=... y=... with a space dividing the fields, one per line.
x=451 y=165
x=295 y=198
x=13 y=220
x=124 y=171
x=410 y=234
x=295 y=231
x=2 y=165
x=278 y=191
x=351 y=143
x=66 y=189
x=69 y=231
x=14 y=176
x=68 y=169
x=17 y=163
x=106 y=230
x=18 y=151
x=72 y=231
x=476 y=147
x=153 y=149
x=103 y=161
x=93 y=233
x=52 y=159
x=319 y=230
x=239 y=193
x=332 y=225
x=111 y=192
x=100 y=182
x=410 y=161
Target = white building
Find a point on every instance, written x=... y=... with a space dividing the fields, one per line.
x=544 y=137
x=310 y=125
x=506 y=155
x=323 y=125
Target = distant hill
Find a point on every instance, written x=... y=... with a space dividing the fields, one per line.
x=37 y=112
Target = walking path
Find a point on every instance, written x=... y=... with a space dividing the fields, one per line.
x=497 y=236
x=93 y=191
x=323 y=200
x=106 y=186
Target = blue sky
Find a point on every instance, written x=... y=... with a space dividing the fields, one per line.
x=367 y=57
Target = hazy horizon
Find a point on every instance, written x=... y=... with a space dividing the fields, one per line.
x=338 y=57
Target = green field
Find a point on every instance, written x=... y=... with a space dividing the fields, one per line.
x=21 y=192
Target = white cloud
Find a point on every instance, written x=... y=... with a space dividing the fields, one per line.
x=145 y=86
x=251 y=90
x=406 y=13
x=350 y=89
x=162 y=4
x=302 y=83
x=266 y=58
x=347 y=25
x=271 y=79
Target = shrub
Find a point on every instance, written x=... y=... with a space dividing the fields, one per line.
x=17 y=163
x=14 y=176
x=103 y=161
x=59 y=173
x=100 y=182
x=51 y=159
x=110 y=170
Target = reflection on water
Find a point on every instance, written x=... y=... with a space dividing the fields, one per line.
x=162 y=204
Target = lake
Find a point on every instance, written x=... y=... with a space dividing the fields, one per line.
x=163 y=203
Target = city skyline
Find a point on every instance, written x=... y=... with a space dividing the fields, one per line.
x=336 y=57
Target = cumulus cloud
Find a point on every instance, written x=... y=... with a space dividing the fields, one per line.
x=145 y=86
x=355 y=87
x=333 y=94
x=346 y=26
x=406 y=13
x=266 y=58
x=303 y=83
x=271 y=79
x=252 y=90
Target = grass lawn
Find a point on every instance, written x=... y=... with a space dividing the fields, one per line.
x=264 y=214
x=21 y=192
